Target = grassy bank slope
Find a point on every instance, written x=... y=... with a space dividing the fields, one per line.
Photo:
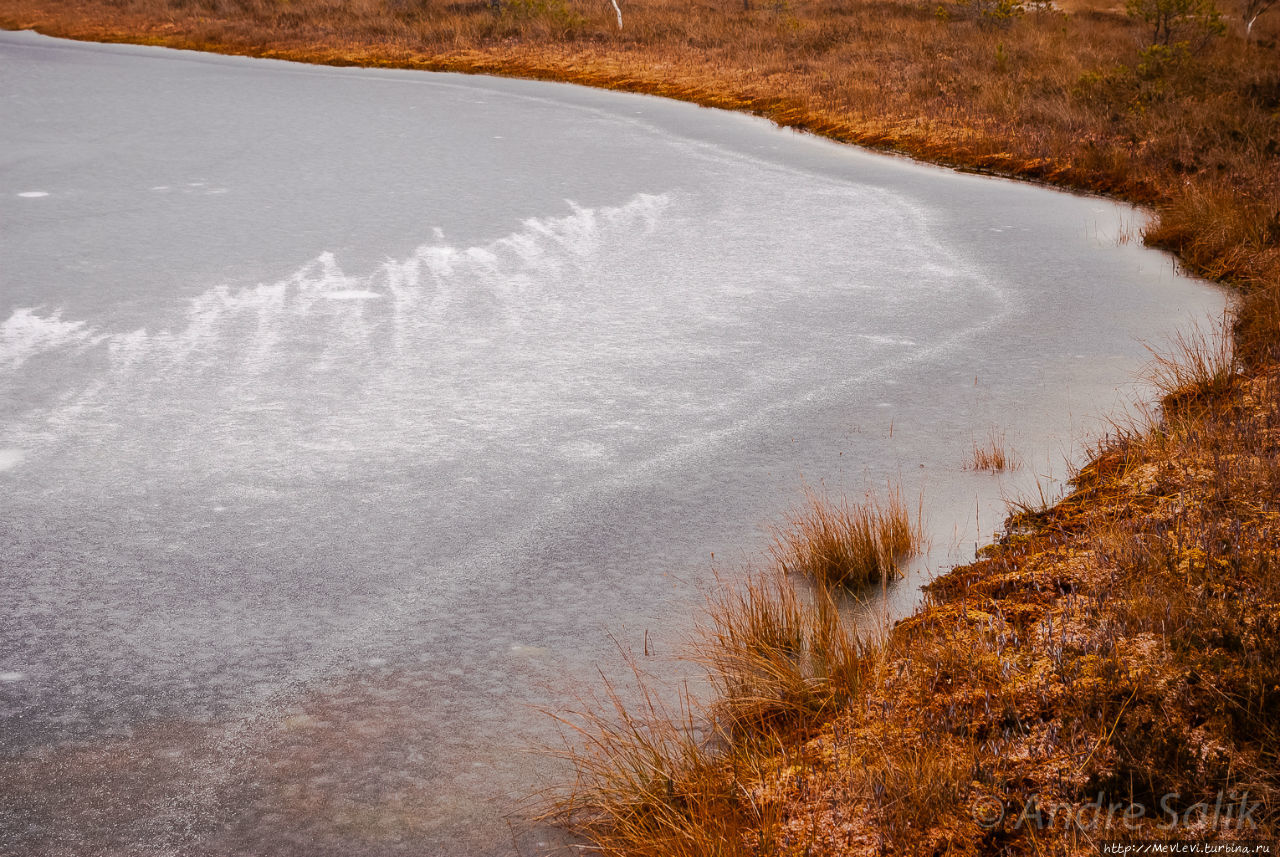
x=1122 y=644
x=1109 y=671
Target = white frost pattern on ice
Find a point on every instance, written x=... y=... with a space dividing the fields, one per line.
x=577 y=344
x=26 y=334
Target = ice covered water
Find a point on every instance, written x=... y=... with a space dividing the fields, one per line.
x=348 y=417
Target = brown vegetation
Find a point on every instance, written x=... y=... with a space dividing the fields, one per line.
x=833 y=542
x=653 y=780
x=1196 y=370
x=992 y=455
x=1123 y=643
x=1117 y=653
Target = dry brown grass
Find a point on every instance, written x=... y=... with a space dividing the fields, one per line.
x=1126 y=643
x=992 y=454
x=1197 y=368
x=779 y=660
x=663 y=779
x=649 y=784
x=835 y=543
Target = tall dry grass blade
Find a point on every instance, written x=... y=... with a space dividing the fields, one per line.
x=650 y=779
x=1196 y=368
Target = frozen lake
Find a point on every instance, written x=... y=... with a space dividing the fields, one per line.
x=345 y=414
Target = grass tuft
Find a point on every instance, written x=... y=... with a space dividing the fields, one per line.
x=835 y=543
x=679 y=779
x=779 y=660
x=992 y=455
x=1196 y=370
x=647 y=784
